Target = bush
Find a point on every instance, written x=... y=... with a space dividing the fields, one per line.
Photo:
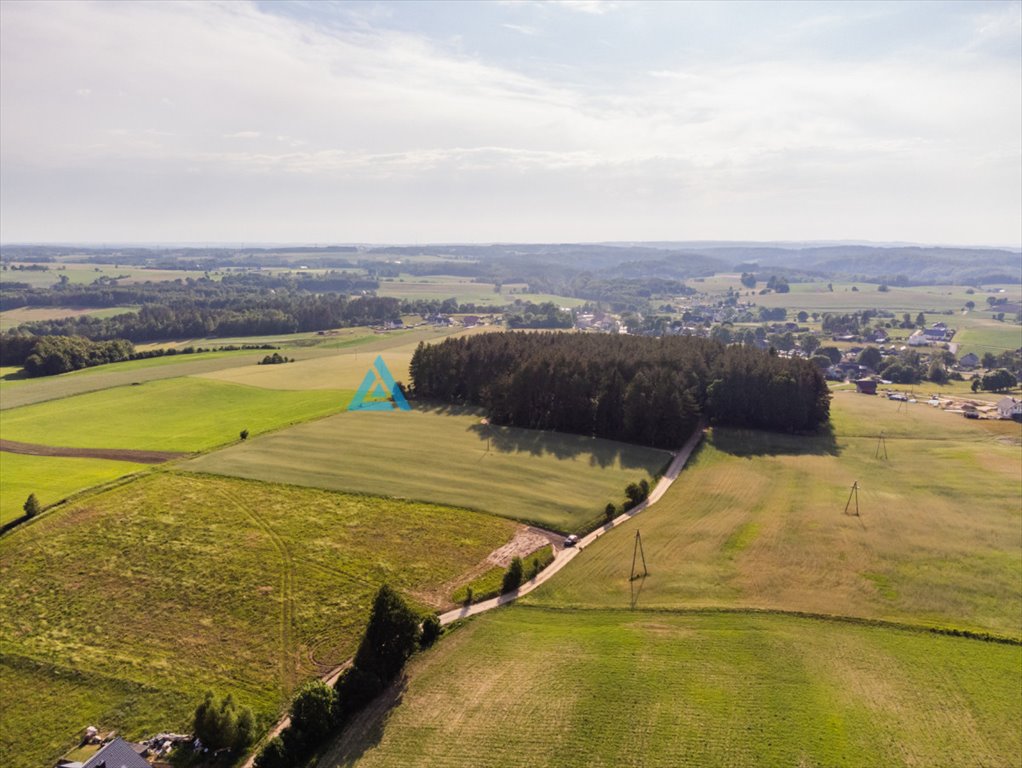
x=312 y=716
x=610 y=511
x=243 y=434
x=274 y=755
x=355 y=688
x=431 y=630
x=31 y=506
x=218 y=724
x=513 y=577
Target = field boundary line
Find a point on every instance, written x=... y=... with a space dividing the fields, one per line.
x=565 y=556
x=968 y=634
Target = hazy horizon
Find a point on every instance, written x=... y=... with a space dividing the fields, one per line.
x=511 y=122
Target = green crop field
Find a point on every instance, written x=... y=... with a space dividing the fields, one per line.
x=757 y=521
x=184 y=414
x=556 y=480
x=51 y=478
x=984 y=334
x=122 y=607
x=620 y=688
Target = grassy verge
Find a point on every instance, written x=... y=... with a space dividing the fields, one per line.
x=488 y=585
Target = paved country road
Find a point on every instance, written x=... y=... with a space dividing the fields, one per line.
x=568 y=554
x=562 y=558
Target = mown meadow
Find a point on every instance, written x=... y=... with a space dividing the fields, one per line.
x=559 y=688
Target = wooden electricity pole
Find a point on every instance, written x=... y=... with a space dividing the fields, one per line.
x=637 y=551
x=855 y=493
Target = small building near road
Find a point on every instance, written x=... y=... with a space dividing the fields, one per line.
x=866 y=386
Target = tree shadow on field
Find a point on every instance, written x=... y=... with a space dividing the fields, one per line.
x=365 y=732
x=538 y=442
x=753 y=442
x=562 y=445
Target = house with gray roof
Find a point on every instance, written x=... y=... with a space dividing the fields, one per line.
x=115 y=754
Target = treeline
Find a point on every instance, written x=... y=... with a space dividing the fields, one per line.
x=546 y=315
x=247 y=316
x=52 y=355
x=318 y=712
x=644 y=390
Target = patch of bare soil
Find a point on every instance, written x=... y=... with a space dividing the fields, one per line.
x=114 y=454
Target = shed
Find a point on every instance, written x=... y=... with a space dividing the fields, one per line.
x=866 y=386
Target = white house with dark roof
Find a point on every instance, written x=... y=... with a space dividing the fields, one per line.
x=115 y=754
x=1009 y=408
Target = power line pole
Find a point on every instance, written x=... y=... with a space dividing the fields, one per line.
x=881 y=443
x=855 y=493
x=637 y=551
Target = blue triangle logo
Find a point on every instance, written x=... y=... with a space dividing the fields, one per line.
x=385 y=393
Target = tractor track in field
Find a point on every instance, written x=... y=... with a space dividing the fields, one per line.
x=112 y=454
x=288 y=643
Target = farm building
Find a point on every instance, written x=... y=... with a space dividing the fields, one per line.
x=866 y=386
x=919 y=339
x=1009 y=408
x=116 y=754
x=969 y=361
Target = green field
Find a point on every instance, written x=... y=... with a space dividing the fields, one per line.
x=121 y=608
x=465 y=290
x=528 y=686
x=756 y=520
x=82 y=274
x=556 y=480
x=51 y=478
x=980 y=334
x=185 y=414
x=12 y=318
x=16 y=391
x=723 y=655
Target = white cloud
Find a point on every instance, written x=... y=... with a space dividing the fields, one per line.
x=411 y=139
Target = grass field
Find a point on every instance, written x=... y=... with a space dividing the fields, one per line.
x=82 y=273
x=980 y=334
x=15 y=317
x=121 y=608
x=345 y=370
x=465 y=290
x=528 y=686
x=560 y=481
x=757 y=521
x=16 y=391
x=51 y=478
x=184 y=414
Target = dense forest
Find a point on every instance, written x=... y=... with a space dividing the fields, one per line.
x=652 y=391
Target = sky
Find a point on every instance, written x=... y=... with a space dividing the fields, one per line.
x=584 y=121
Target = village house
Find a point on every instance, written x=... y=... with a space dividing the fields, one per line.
x=969 y=361
x=115 y=754
x=1009 y=408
